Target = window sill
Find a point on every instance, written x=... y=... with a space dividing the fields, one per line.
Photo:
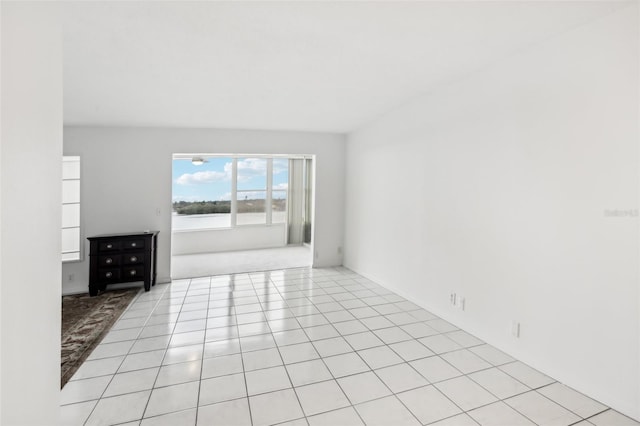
x=256 y=225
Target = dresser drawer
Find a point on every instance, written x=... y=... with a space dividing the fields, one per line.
x=109 y=245
x=122 y=258
x=108 y=274
x=132 y=244
x=109 y=260
x=129 y=272
x=132 y=258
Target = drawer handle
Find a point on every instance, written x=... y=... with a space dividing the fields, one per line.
x=133 y=272
x=133 y=244
x=109 y=245
x=134 y=259
x=108 y=275
x=108 y=260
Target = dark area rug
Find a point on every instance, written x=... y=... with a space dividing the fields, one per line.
x=85 y=321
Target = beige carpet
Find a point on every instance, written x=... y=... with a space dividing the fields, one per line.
x=201 y=265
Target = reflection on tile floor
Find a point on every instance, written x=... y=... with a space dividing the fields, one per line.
x=306 y=347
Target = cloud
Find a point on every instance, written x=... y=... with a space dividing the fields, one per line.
x=247 y=169
x=280 y=165
x=251 y=167
x=281 y=187
x=203 y=177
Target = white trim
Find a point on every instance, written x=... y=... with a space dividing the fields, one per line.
x=268 y=199
x=76 y=225
x=234 y=193
x=268 y=190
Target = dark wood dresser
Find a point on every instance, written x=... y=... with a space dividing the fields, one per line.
x=122 y=258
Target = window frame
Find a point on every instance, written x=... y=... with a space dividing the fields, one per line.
x=269 y=178
x=78 y=223
x=235 y=191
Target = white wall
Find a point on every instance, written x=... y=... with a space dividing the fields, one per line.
x=1 y=196
x=228 y=239
x=495 y=187
x=30 y=194
x=126 y=176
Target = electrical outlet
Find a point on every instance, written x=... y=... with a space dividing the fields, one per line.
x=461 y=303
x=158 y=212
x=71 y=277
x=515 y=329
x=340 y=250
x=452 y=299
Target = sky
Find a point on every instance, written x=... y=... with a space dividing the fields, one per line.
x=211 y=181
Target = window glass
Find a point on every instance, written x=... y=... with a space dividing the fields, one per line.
x=70 y=191
x=71 y=167
x=202 y=193
x=279 y=207
x=280 y=173
x=70 y=208
x=71 y=215
x=70 y=240
x=251 y=208
x=252 y=174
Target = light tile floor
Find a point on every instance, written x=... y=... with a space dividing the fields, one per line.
x=306 y=347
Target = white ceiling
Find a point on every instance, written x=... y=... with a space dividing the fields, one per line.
x=319 y=66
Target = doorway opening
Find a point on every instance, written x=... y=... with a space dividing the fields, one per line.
x=241 y=213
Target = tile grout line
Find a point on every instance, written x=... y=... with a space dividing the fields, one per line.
x=206 y=321
x=244 y=373
x=124 y=357
x=284 y=366
x=334 y=379
x=146 y=407
x=309 y=295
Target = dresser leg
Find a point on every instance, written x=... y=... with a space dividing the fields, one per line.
x=147 y=284
x=93 y=290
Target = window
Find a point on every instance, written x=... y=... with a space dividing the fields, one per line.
x=202 y=193
x=279 y=187
x=70 y=208
x=251 y=193
x=224 y=192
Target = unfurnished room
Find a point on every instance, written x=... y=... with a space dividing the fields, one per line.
x=320 y=213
